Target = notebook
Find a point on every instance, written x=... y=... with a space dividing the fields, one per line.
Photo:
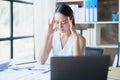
x=4 y=64
x=80 y=68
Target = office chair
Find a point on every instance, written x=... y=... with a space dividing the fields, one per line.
x=90 y=51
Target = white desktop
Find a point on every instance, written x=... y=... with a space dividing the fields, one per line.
x=35 y=71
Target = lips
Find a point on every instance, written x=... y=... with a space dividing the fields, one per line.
x=62 y=29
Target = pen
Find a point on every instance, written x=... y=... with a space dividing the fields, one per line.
x=46 y=71
x=35 y=69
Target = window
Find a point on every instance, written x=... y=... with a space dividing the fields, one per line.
x=23 y=19
x=118 y=55
x=4 y=19
x=16 y=30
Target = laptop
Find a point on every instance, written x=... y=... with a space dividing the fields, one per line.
x=4 y=64
x=80 y=68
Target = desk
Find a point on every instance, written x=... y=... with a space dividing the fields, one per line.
x=36 y=71
x=32 y=71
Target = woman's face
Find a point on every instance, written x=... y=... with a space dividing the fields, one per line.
x=61 y=22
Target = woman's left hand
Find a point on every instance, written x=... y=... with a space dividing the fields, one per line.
x=72 y=27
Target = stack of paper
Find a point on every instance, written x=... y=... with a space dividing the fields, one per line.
x=114 y=73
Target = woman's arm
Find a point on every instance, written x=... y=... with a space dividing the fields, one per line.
x=80 y=42
x=47 y=44
x=45 y=50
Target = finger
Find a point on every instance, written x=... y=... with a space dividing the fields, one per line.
x=49 y=23
x=53 y=20
x=52 y=23
x=70 y=22
x=54 y=26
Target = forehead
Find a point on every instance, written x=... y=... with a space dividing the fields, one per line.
x=59 y=16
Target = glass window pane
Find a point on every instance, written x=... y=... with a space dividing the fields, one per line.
x=23 y=19
x=4 y=19
x=4 y=50
x=24 y=49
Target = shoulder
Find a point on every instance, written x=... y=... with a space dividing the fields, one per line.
x=82 y=41
x=81 y=38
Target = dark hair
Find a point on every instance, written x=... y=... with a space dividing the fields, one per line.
x=65 y=10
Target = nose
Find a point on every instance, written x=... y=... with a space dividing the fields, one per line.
x=60 y=25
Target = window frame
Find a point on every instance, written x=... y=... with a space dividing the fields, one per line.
x=12 y=38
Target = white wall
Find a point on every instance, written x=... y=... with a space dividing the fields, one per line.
x=43 y=10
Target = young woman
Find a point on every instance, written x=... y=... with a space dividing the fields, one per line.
x=62 y=37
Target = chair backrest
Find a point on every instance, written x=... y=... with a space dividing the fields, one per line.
x=90 y=51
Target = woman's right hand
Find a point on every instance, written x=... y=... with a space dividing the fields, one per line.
x=51 y=26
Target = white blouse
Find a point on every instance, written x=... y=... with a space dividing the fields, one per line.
x=57 y=47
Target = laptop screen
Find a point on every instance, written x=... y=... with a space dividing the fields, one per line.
x=80 y=68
